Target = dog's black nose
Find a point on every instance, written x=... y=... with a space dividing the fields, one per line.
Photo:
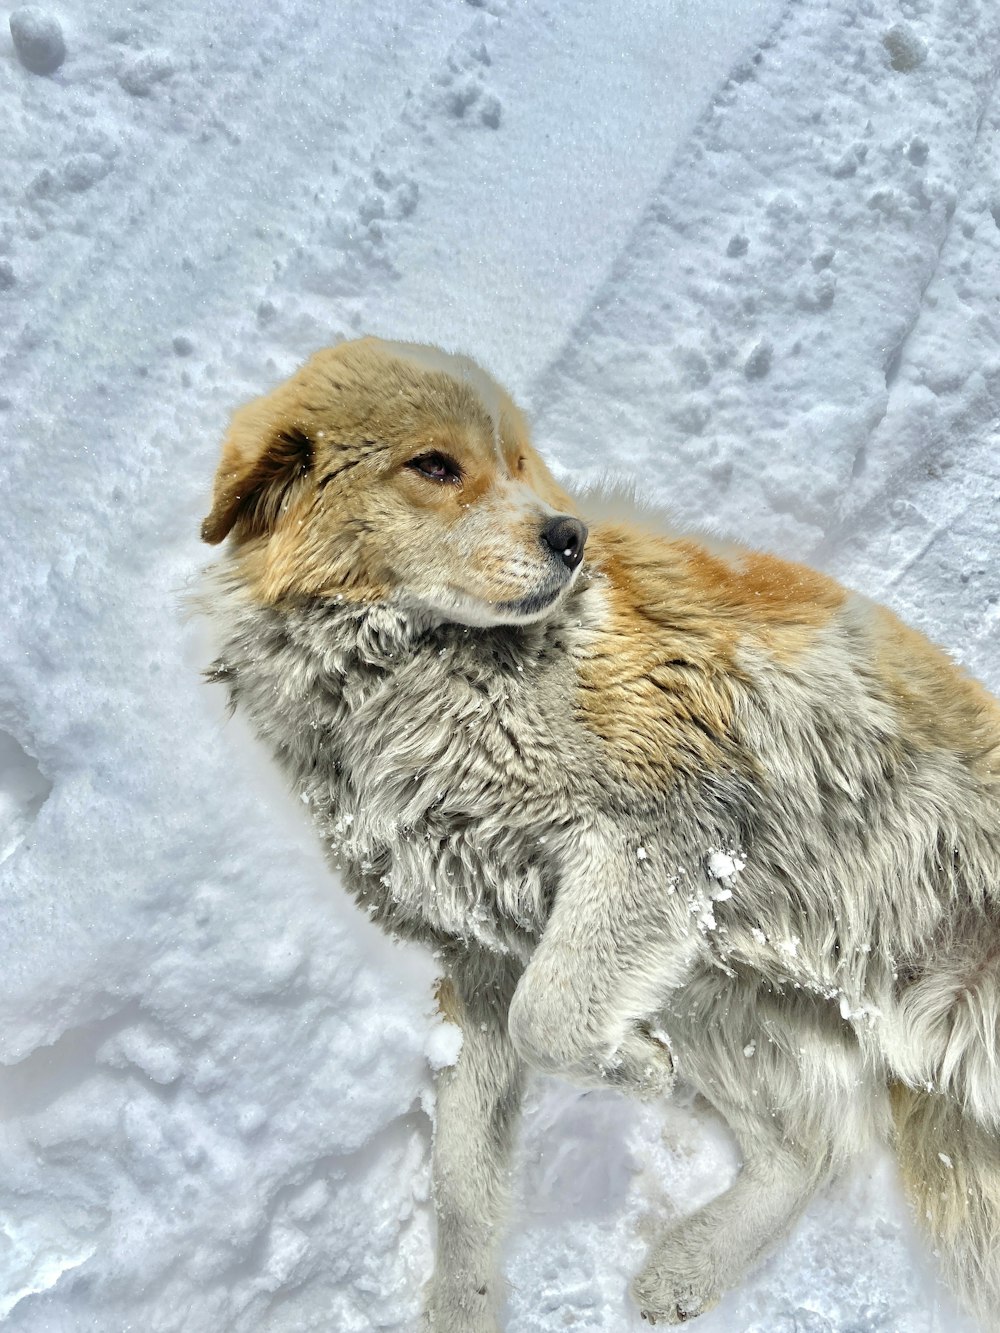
x=567 y=537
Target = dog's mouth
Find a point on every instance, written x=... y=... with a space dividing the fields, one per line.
x=534 y=604
x=456 y=603
x=526 y=608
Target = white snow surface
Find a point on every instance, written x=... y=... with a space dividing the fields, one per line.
x=742 y=253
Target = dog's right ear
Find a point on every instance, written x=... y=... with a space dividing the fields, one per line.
x=264 y=463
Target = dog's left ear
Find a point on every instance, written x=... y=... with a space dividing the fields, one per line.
x=263 y=465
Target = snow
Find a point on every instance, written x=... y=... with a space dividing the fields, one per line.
x=38 y=40
x=742 y=252
x=723 y=866
x=443 y=1045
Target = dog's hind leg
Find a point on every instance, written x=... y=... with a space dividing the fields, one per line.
x=695 y=1262
x=478 y=1101
x=790 y=1080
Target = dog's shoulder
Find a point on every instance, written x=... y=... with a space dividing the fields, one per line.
x=678 y=623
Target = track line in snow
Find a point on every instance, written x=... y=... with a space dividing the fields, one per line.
x=110 y=259
x=900 y=465
x=920 y=532
x=757 y=325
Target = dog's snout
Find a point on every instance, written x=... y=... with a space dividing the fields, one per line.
x=566 y=537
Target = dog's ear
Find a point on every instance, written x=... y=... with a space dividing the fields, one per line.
x=264 y=463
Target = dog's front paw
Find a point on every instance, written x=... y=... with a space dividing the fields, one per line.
x=669 y=1295
x=643 y=1065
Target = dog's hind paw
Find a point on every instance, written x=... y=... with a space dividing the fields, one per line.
x=667 y=1299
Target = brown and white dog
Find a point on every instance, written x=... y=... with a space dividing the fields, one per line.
x=655 y=803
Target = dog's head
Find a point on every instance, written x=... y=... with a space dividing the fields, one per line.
x=393 y=472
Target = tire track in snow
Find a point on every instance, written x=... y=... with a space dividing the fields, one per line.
x=297 y=69
x=921 y=531
x=586 y=129
x=750 y=316
x=972 y=206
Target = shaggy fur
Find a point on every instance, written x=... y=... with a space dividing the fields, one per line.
x=653 y=810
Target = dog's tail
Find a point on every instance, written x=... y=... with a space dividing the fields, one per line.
x=951 y=1171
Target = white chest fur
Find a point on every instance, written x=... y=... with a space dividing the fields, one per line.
x=435 y=766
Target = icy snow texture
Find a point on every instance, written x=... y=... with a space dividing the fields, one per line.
x=744 y=253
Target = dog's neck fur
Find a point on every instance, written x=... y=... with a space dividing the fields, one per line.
x=433 y=758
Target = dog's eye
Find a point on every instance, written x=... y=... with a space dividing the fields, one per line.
x=521 y=462
x=439 y=467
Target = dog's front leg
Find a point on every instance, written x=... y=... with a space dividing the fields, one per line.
x=478 y=1101
x=616 y=943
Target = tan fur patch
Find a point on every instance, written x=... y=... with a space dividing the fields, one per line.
x=656 y=682
x=448 y=1004
x=939 y=706
x=932 y=1148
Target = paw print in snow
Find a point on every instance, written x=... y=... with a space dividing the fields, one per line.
x=467 y=101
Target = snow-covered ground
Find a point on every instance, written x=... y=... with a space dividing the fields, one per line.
x=746 y=252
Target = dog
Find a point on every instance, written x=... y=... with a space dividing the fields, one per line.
x=660 y=805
